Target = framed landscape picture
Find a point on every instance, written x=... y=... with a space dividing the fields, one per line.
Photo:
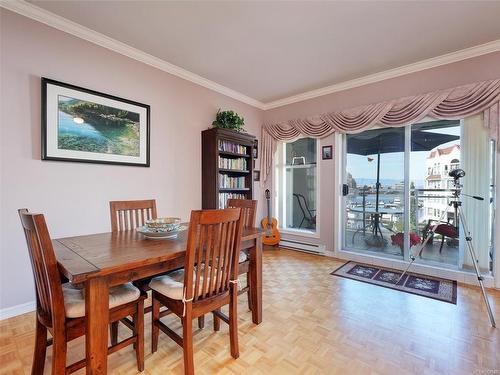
x=87 y=126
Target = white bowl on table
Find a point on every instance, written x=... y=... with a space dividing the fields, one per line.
x=163 y=227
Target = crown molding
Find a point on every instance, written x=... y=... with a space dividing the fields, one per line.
x=452 y=57
x=53 y=20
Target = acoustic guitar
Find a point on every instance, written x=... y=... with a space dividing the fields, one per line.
x=270 y=225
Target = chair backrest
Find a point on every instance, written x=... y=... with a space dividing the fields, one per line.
x=213 y=246
x=303 y=206
x=49 y=295
x=249 y=208
x=126 y=215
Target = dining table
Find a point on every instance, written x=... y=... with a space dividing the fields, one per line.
x=100 y=261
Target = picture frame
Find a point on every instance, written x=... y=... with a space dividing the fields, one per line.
x=256 y=175
x=255 y=149
x=87 y=126
x=327 y=152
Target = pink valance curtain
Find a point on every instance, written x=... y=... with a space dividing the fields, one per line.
x=456 y=103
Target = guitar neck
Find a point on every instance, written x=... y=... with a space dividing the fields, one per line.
x=268 y=199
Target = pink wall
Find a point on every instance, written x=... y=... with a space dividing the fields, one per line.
x=451 y=75
x=73 y=196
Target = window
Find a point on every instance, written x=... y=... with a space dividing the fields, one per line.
x=297 y=174
x=423 y=154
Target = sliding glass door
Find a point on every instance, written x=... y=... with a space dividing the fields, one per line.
x=397 y=187
x=374 y=191
x=431 y=188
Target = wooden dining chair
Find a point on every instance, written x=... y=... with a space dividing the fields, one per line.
x=207 y=282
x=127 y=215
x=60 y=308
x=249 y=209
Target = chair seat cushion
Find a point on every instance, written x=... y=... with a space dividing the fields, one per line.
x=74 y=298
x=447 y=230
x=170 y=285
x=243 y=257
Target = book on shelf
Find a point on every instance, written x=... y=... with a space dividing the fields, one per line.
x=227 y=182
x=232 y=147
x=237 y=164
x=223 y=197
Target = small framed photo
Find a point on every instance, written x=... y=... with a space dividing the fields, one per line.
x=83 y=125
x=327 y=152
x=255 y=149
x=256 y=175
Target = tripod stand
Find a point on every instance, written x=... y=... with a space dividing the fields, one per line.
x=456 y=203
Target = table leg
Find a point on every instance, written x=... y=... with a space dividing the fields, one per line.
x=256 y=279
x=97 y=315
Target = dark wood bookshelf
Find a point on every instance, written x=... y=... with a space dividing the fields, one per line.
x=227 y=153
x=233 y=171
x=210 y=140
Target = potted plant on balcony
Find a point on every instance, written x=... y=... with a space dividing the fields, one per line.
x=398 y=240
x=229 y=120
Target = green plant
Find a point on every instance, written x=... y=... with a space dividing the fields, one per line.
x=229 y=120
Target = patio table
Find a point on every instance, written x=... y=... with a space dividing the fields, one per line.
x=375 y=218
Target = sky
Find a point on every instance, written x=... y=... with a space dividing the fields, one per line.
x=392 y=164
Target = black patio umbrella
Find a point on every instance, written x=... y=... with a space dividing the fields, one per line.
x=385 y=141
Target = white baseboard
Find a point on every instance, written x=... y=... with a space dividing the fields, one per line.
x=23 y=308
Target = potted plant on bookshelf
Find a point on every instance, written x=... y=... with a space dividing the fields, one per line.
x=229 y=120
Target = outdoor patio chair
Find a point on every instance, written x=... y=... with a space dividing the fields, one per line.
x=308 y=215
x=444 y=229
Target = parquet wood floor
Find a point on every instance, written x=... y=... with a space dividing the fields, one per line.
x=314 y=323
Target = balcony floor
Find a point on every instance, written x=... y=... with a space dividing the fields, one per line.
x=449 y=254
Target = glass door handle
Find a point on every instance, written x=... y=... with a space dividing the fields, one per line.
x=345 y=189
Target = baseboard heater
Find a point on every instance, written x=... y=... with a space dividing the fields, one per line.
x=303 y=246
